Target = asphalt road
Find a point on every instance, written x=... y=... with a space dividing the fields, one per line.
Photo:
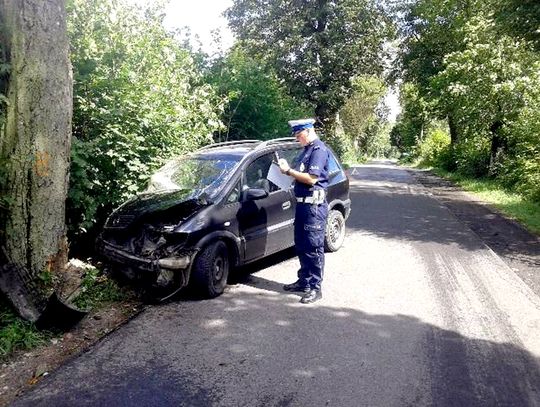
x=417 y=311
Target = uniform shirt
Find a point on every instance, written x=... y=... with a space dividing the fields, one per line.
x=314 y=161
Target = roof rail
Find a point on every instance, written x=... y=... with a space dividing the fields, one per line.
x=227 y=143
x=274 y=141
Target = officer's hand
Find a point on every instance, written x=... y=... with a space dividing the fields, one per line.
x=283 y=165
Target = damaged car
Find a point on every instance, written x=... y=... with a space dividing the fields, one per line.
x=210 y=211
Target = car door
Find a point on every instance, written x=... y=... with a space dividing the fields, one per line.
x=265 y=223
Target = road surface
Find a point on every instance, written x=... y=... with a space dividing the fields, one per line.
x=417 y=311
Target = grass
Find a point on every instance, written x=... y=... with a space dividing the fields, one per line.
x=97 y=289
x=18 y=334
x=509 y=203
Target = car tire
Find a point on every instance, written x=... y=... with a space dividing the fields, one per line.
x=335 y=231
x=211 y=270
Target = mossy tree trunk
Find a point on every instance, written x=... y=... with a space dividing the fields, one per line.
x=35 y=139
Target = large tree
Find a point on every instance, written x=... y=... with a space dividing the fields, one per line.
x=317 y=46
x=34 y=149
x=361 y=114
x=485 y=84
x=432 y=29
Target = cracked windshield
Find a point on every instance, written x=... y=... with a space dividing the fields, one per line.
x=196 y=174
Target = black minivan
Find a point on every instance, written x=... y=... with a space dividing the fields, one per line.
x=209 y=211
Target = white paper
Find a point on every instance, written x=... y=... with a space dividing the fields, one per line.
x=283 y=181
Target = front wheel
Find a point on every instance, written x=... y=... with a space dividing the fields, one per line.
x=211 y=270
x=335 y=231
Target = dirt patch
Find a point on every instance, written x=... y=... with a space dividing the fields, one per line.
x=25 y=369
x=518 y=247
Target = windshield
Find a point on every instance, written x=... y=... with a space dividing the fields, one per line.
x=196 y=173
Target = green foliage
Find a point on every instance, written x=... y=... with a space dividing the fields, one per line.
x=362 y=120
x=258 y=105
x=520 y=168
x=16 y=333
x=484 y=83
x=433 y=150
x=378 y=141
x=413 y=120
x=431 y=30
x=520 y=18
x=138 y=99
x=476 y=64
x=316 y=47
x=97 y=289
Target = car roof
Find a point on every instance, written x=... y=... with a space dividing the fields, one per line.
x=240 y=148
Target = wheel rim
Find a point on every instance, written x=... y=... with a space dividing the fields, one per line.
x=336 y=230
x=219 y=267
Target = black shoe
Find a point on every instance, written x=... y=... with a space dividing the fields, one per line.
x=311 y=296
x=296 y=286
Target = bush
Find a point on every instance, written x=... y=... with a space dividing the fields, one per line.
x=520 y=168
x=434 y=148
x=472 y=158
x=138 y=99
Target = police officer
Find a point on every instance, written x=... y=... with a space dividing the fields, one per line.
x=311 y=179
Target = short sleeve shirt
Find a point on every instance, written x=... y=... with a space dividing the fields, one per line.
x=314 y=161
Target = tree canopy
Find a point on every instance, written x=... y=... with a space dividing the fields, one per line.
x=317 y=47
x=474 y=64
x=257 y=104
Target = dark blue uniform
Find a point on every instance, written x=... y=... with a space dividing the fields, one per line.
x=310 y=217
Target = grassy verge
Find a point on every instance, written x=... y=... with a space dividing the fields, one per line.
x=511 y=204
x=97 y=289
x=17 y=334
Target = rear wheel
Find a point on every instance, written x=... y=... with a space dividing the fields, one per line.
x=335 y=231
x=211 y=270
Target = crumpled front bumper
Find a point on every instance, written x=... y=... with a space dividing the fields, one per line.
x=140 y=268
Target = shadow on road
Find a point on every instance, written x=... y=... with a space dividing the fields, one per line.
x=261 y=348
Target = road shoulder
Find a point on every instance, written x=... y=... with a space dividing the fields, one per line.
x=515 y=245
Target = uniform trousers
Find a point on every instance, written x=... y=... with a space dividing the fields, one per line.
x=309 y=231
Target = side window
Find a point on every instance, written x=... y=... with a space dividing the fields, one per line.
x=291 y=155
x=234 y=195
x=332 y=164
x=256 y=173
x=334 y=171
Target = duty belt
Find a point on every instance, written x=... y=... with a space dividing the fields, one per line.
x=317 y=198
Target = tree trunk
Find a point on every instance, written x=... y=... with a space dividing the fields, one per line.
x=34 y=151
x=454 y=137
x=328 y=120
x=498 y=144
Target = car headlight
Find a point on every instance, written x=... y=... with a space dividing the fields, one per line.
x=174 y=263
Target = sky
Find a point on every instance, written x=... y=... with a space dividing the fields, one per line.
x=201 y=16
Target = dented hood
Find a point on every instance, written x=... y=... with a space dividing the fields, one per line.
x=174 y=205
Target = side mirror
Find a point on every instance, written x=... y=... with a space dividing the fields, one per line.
x=252 y=194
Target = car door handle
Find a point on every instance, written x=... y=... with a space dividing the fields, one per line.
x=286 y=205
